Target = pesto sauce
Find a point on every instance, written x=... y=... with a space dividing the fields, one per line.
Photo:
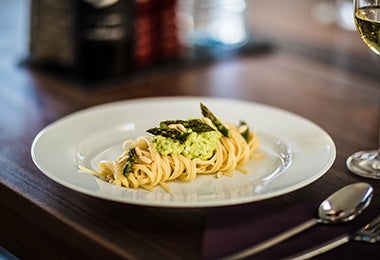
x=197 y=145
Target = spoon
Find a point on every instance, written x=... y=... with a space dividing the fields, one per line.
x=342 y=206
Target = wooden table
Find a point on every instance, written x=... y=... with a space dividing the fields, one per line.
x=336 y=87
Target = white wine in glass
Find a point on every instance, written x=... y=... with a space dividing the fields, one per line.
x=367 y=21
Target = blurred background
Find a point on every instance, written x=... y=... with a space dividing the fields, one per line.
x=122 y=39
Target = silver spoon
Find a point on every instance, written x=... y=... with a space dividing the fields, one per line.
x=342 y=206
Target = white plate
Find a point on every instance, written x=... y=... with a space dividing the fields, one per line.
x=298 y=152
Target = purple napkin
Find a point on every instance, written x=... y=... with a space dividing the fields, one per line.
x=231 y=229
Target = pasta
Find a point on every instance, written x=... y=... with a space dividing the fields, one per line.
x=143 y=164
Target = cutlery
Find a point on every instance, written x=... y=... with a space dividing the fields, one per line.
x=342 y=206
x=369 y=233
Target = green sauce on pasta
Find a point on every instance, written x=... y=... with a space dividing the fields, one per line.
x=197 y=145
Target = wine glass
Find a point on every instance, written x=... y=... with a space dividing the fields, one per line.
x=367 y=21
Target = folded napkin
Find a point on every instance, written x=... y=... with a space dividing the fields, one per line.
x=231 y=229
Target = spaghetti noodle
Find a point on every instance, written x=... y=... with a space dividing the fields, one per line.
x=144 y=164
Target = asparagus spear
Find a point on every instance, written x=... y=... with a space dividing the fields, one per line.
x=245 y=132
x=207 y=113
x=169 y=132
x=197 y=125
x=130 y=162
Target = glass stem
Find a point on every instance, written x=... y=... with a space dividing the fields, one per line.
x=378 y=147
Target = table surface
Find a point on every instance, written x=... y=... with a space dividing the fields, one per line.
x=318 y=71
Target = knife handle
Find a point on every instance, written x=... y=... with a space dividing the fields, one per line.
x=322 y=248
x=273 y=241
